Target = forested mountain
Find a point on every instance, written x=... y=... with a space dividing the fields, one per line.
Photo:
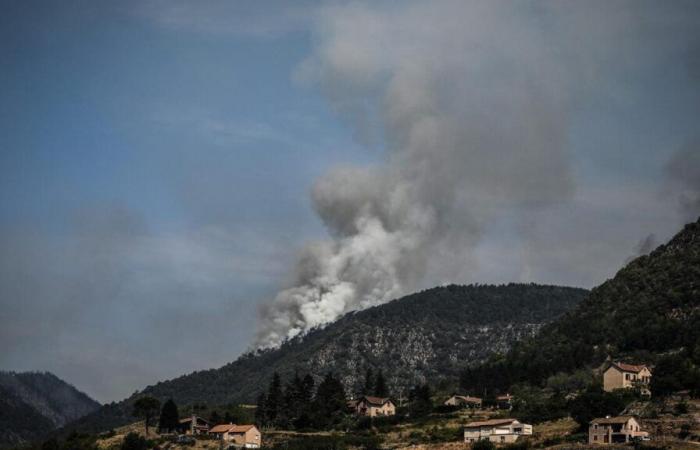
x=34 y=403
x=431 y=335
x=649 y=312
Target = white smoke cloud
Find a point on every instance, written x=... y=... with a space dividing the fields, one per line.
x=473 y=102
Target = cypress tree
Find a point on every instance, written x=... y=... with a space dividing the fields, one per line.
x=169 y=417
x=273 y=403
x=330 y=404
x=261 y=410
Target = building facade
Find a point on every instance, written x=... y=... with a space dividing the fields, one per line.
x=373 y=406
x=496 y=430
x=626 y=376
x=615 y=430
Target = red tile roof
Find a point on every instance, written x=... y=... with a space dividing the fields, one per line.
x=375 y=400
x=629 y=367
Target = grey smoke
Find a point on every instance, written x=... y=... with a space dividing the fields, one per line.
x=644 y=247
x=474 y=105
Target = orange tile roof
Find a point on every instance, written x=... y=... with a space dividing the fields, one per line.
x=618 y=419
x=241 y=428
x=222 y=428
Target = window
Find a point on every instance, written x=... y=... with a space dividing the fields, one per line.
x=595 y=438
x=627 y=376
x=503 y=438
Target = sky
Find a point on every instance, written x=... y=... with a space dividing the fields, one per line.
x=181 y=182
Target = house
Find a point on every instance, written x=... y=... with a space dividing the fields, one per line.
x=193 y=425
x=463 y=400
x=372 y=406
x=496 y=430
x=245 y=436
x=504 y=401
x=614 y=430
x=623 y=376
x=222 y=432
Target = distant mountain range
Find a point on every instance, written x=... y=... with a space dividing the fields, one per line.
x=427 y=336
x=33 y=404
x=494 y=336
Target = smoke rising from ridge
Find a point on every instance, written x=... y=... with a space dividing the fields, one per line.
x=472 y=101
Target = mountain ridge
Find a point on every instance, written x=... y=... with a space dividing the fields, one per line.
x=441 y=330
x=34 y=403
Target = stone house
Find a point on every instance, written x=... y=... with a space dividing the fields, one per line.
x=614 y=430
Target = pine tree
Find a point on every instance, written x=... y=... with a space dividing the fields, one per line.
x=330 y=404
x=420 y=402
x=380 y=389
x=169 y=417
x=274 y=401
x=146 y=407
x=214 y=418
x=261 y=410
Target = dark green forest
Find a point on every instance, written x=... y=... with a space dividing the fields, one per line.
x=649 y=312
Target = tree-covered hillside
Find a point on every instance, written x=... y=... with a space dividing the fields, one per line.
x=651 y=308
x=32 y=404
x=431 y=335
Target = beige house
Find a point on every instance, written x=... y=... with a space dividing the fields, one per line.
x=463 y=400
x=373 y=406
x=496 y=430
x=622 y=376
x=244 y=436
x=614 y=430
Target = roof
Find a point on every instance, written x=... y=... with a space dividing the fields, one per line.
x=635 y=368
x=189 y=419
x=222 y=428
x=504 y=397
x=490 y=423
x=375 y=400
x=241 y=428
x=617 y=419
x=467 y=398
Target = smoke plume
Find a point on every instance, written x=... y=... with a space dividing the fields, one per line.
x=472 y=102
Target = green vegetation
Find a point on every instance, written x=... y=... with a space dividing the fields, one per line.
x=146 y=407
x=169 y=417
x=650 y=308
x=441 y=325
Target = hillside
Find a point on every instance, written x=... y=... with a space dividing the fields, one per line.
x=428 y=335
x=651 y=308
x=33 y=403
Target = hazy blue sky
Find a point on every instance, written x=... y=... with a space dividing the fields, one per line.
x=157 y=160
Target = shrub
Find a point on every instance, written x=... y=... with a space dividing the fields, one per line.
x=483 y=445
x=133 y=441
